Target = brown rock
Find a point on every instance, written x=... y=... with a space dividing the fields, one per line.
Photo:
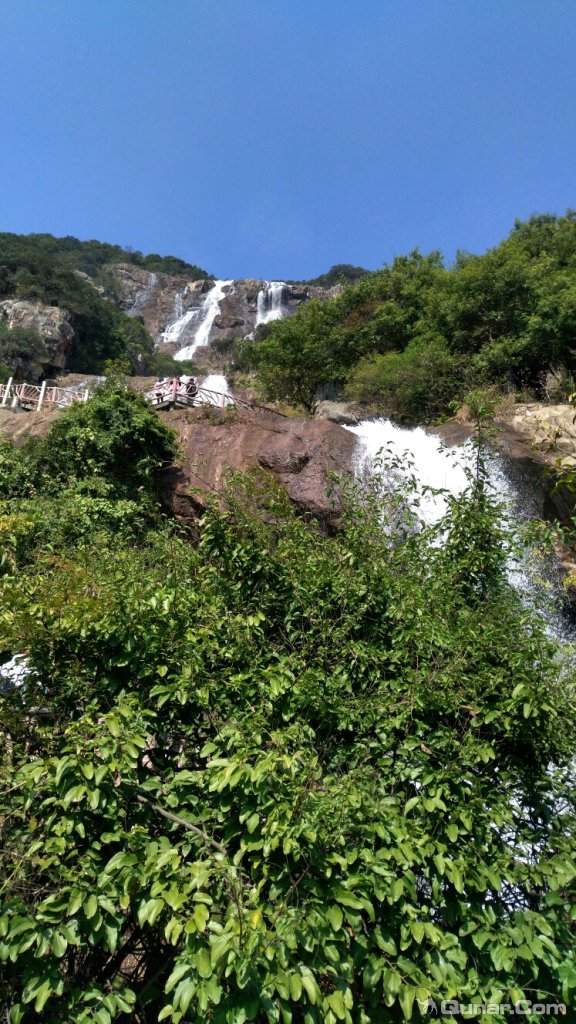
x=300 y=454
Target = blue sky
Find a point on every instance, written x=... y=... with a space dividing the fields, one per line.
x=273 y=138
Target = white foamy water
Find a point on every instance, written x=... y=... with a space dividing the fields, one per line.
x=176 y=328
x=423 y=458
x=270 y=305
x=418 y=453
x=217 y=383
x=206 y=316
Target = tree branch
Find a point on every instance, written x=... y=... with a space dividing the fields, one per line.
x=183 y=823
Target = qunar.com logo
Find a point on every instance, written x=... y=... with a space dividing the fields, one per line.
x=522 y=1008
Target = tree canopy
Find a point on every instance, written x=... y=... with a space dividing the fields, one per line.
x=272 y=775
x=46 y=269
x=506 y=318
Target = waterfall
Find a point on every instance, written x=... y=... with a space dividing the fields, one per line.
x=218 y=383
x=176 y=327
x=206 y=316
x=270 y=302
x=423 y=458
x=143 y=294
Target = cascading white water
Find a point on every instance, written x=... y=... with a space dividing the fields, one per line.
x=176 y=328
x=217 y=383
x=426 y=459
x=423 y=454
x=206 y=316
x=270 y=304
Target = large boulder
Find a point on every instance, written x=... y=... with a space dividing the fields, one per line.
x=300 y=454
x=53 y=326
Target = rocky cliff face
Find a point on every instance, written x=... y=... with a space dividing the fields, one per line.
x=51 y=323
x=191 y=317
x=537 y=441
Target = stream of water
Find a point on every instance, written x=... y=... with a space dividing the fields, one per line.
x=423 y=456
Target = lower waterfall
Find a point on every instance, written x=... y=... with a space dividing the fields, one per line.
x=217 y=383
x=433 y=466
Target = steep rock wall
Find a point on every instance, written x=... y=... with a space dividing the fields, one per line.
x=54 y=327
x=173 y=308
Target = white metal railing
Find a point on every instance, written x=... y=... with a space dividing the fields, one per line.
x=177 y=393
x=35 y=396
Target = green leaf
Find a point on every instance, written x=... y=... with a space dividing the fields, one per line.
x=334 y=915
x=58 y=944
x=347 y=899
x=336 y=1003
x=397 y=890
x=204 y=964
x=42 y=996
x=406 y=1000
x=295 y=983
x=90 y=906
x=311 y=987
x=201 y=916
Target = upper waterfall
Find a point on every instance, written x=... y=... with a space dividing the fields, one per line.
x=205 y=316
x=270 y=302
x=176 y=327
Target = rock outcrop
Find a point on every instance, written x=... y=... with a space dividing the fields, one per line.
x=300 y=454
x=537 y=441
x=53 y=326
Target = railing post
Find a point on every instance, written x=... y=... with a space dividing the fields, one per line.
x=41 y=396
x=7 y=391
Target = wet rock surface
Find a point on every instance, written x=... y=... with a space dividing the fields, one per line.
x=537 y=441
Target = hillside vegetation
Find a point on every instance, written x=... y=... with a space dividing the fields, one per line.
x=51 y=270
x=271 y=776
x=412 y=338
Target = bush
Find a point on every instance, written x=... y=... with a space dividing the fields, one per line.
x=415 y=385
x=284 y=777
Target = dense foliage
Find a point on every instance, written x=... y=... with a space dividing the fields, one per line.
x=20 y=348
x=272 y=776
x=96 y=469
x=507 y=318
x=53 y=271
x=90 y=257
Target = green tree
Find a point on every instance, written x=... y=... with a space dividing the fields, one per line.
x=284 y=777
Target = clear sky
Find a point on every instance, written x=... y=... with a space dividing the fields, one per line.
x=273 y=138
